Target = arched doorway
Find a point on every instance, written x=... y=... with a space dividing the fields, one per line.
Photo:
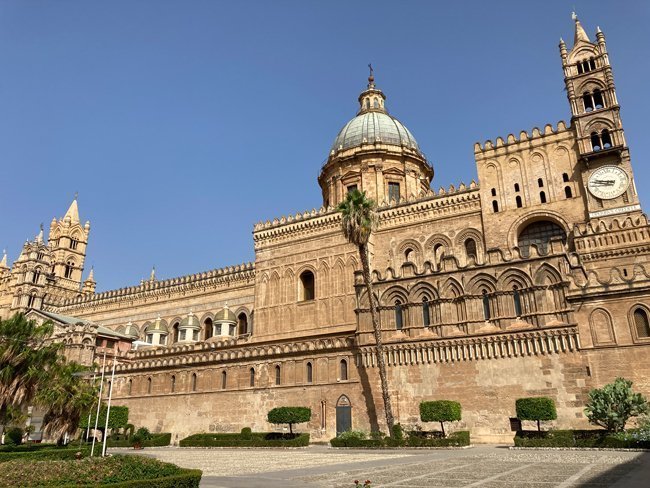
x=343 y=414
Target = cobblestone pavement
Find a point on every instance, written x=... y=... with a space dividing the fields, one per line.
x=482 y=466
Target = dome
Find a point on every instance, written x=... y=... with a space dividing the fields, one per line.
x=190 y=322
x=225 y=315
x=131 y=330
x=159 y=326
x=374 y=127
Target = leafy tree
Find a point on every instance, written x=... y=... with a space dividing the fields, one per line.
x=358 y=219
x=14 y=416
x=66 y=397
x=440 y=411
x=614 y=404
x=118 y=418
x=26 y=357
x=536 y=408
x=289 y=415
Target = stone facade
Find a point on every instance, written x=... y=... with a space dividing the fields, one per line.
x=535 y=281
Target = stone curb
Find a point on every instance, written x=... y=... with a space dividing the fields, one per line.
x=449 y=448
x=622 y=449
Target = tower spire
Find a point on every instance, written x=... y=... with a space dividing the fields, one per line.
x=3 y=262
x=372 y=98
x=580 y=34
x=73 y=211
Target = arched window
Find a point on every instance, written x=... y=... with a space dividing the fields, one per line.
x=516 y=298
x=539 y=233
x=606 y=138
x=399 y=319
x=224 y=380
x=69 y=268
x=598 y=99
x=540 y=182
x=150 y=338
x=493 y=192
x=73 y=243
x=516 y=186
x=393 y=192
x=129 y=387
x=486 y=305
x=31 y=300
x=37 y=275
x=242 y=323
x=343 y=370
x=470 y=248
x=307 y=285
x=193 y=384
x=278 y=375
x=588 y=102
x=565 y=177
x=641 y=323
x=208 y=328
x=252 y=376
x=567 y=192
x=495 y=206
x=408 y=255
x=375 y=103
x=518 y=201
x=148 y=385
x=310 y=373
x=426 y=318
x=438 y=253
x=173 y=383
x=596 y=145
x=542 y=197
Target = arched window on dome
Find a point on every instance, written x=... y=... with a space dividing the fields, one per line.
x=375 y=103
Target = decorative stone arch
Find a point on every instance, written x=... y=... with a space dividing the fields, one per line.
x=436 y=247
x=343 y=414
x=423 y=290
x=394 y=293
x=602 y=331
x=590 y=85
x=482 y=282
x=300 y=285
x=547 y=274
x=634 y=329
x=452 y=289
x=598 y=124
x=248 y=323
x=474 y=234
x=582 y=51
x=525 y=220
x=416 y=254
x=288 y=287
x=514 y=277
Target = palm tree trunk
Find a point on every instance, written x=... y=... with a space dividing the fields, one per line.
x=363 y=254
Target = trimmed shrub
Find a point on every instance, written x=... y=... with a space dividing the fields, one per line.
x=536 y=408
x=440 y=411
x=352 y=434
x=257 y=439
x=246 y=433
x=578 y=438
x=614 y=404
x=154 y=440
x=289 y=415
x=54 y=453
x=31 y=446
x=14 y=436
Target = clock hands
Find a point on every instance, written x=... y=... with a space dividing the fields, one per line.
x=602 y=182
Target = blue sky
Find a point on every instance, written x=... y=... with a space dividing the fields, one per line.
x=182 y=123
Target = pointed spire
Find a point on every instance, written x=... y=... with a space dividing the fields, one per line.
x=580 y=35
x=152 y=277
x=91 y=275
x=3 y=262
x=372 y=98
x=39 y=236
x=73 y=211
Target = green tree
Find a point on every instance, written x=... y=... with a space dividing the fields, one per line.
x=289 y=415
x=358 y=220
x=66 y=398
x=614 y=404
x=26 y=357
x=440 y=411
x=536 y=408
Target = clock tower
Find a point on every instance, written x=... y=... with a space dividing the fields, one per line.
x=604 y=158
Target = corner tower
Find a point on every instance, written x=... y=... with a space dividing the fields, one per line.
x=68 y=240
x=606 y=170
x=374 y=152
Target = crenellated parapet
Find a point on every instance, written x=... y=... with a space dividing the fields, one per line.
x=512 y=143
x=241 y=273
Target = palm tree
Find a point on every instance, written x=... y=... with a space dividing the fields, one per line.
x=358 y=219
x=66 y=397
x=26 y=356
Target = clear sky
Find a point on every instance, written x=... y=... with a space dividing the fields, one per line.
x=183 y=123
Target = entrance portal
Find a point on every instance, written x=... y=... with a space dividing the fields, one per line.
x=343 y=415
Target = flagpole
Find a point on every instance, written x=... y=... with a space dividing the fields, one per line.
x=99 y=402
x=90 y=412
x=108 y=408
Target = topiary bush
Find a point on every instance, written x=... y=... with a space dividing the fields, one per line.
x=14 y=436
x=289 y=415
x=614 y=404
x=246 y=433
x=536 y=408
x=258 y=439
x=352 y=434
x=440 y=411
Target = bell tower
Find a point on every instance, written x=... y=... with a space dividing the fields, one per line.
x=68 y=241
x=603 y=153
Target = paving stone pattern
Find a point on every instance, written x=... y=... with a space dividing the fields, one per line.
x=483 y=466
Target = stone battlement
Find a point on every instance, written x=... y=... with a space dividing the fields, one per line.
x=536 y=134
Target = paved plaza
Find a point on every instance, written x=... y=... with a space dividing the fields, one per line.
x=481 y=466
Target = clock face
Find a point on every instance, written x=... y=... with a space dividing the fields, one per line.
x=608 y=182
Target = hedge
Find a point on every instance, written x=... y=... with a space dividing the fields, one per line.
x=156 y=440
x=56 y=453
x=114 y=471
x=455 y=439
x=256 y=439
x=31 y=446
x=118 y=419
x=576 y=438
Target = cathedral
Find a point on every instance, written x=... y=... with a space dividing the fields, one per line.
x=532 y=281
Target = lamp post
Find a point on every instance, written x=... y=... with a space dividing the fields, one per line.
x=99 y=403
x=108 y=408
